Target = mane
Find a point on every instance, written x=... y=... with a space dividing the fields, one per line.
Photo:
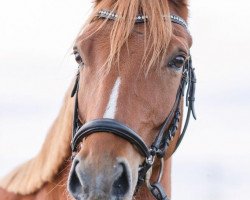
x=30 y=176
x=159 y=28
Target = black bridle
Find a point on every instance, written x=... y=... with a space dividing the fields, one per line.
x=167 y=131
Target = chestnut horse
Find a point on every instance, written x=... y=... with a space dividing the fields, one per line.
x=125 y=104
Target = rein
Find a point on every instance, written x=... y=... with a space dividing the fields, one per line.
x=167 y=131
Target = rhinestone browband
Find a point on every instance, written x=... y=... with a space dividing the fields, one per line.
x=140 y=18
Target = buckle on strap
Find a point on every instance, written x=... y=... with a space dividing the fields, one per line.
x=158 y=192
x=156 y=189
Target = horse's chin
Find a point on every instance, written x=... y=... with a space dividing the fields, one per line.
x=101 y=196
x=98 y=194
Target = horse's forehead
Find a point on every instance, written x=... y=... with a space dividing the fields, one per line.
x=95 y=46
x=97 y=36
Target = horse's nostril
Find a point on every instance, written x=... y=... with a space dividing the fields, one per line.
x=121 y=185
x=74 y=183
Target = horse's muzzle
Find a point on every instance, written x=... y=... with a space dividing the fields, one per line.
x=87 y=182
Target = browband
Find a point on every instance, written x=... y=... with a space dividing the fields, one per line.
x=141 y=18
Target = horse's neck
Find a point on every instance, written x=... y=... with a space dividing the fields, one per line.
x=50 y=191
x=54 y=190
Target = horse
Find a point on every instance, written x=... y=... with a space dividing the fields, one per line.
x=121 y=118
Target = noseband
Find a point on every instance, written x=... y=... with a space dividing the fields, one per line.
x=167 y=131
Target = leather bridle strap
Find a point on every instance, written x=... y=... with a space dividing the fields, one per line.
x=110 y=126
x=190 y=99
x=110 y=15
x=167 y=132
x=162 y=141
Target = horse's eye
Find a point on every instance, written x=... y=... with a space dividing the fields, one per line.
x=78 y=58
x=177 y=62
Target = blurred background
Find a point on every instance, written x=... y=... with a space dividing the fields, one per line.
x=213 y=162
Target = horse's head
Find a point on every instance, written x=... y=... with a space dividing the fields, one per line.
x=134 y=64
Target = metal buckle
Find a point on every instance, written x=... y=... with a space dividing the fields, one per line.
x=149 y=174
x=156 y=189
